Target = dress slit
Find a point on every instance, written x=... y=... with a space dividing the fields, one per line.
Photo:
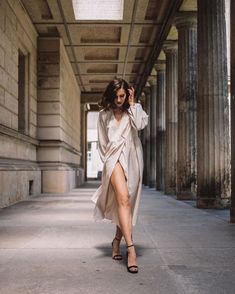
x=123 y=174
x=119 y=142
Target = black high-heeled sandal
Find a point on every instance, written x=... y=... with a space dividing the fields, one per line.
x=134 y=267
x=117 y=256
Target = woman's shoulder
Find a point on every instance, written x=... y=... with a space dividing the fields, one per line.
x=104 y=114
x=136 y=105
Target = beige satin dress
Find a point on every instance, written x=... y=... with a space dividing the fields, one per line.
x=119 y=141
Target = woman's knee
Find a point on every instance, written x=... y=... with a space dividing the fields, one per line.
x=123 y=200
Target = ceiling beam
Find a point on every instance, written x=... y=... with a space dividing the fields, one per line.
x=70 y=41
x=157 y=46
x=90 y=97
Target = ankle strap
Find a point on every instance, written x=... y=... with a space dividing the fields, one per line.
x=130 y=246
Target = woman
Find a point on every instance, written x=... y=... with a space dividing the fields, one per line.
x=117 y=199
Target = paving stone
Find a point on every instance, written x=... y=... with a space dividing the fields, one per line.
x=50 y=244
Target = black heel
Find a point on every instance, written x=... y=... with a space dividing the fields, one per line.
x=116 y=256
x=134 y=267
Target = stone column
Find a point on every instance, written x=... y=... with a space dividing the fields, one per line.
x=153 y=133
x=232 y=13
x=142 y=101
x=170 y=50
x=161 y=126
x=213 y=146
x=58 y=118
x=84 y=112
x=146 y=173
x=186 y=23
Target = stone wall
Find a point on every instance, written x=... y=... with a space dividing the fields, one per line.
x=58 y=118
x=20 y=175
x=43 y=155
x=70 y=103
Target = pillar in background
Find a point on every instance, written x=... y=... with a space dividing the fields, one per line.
x=213 y=140
x=170 y=50
x=161 y=126
x=153 y=132
x=84 y=113
x=232 y=210
x=186 y=23
x=146 y=149
x=142 y=101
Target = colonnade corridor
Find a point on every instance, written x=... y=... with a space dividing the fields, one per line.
x=50 y=244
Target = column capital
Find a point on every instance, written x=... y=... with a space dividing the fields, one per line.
x=186 y=19
x=160 y=67
x=147 y=84
x=152 y=81
x=170 y=47
x=147 y=90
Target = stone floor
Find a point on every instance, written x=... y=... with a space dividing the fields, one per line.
x=50 y=244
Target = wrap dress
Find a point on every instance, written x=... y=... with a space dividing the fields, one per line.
x=119 y=141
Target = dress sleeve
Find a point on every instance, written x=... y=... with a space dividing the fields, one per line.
x=102 y=137
x=139 y=118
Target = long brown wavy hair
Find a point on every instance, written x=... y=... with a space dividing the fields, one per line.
x=110 y=94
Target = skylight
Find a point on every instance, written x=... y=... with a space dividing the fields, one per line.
x=98 y=9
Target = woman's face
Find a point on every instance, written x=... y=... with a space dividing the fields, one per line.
x=120 y=98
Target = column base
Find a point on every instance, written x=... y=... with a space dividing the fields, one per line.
x=152 y=184
x=61 y=179
x=160 y=185
x=232 y=215
x=170 y=191
x=186 y=195
x=213 y=203
x=232 y=219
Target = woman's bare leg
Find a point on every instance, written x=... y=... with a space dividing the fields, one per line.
x=116 y=241
x=119 y=184
x=118 y=233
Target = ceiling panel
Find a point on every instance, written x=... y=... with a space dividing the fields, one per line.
x=94 y=34
x=102 y=50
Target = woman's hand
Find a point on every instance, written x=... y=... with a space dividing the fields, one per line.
x=131 y=98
